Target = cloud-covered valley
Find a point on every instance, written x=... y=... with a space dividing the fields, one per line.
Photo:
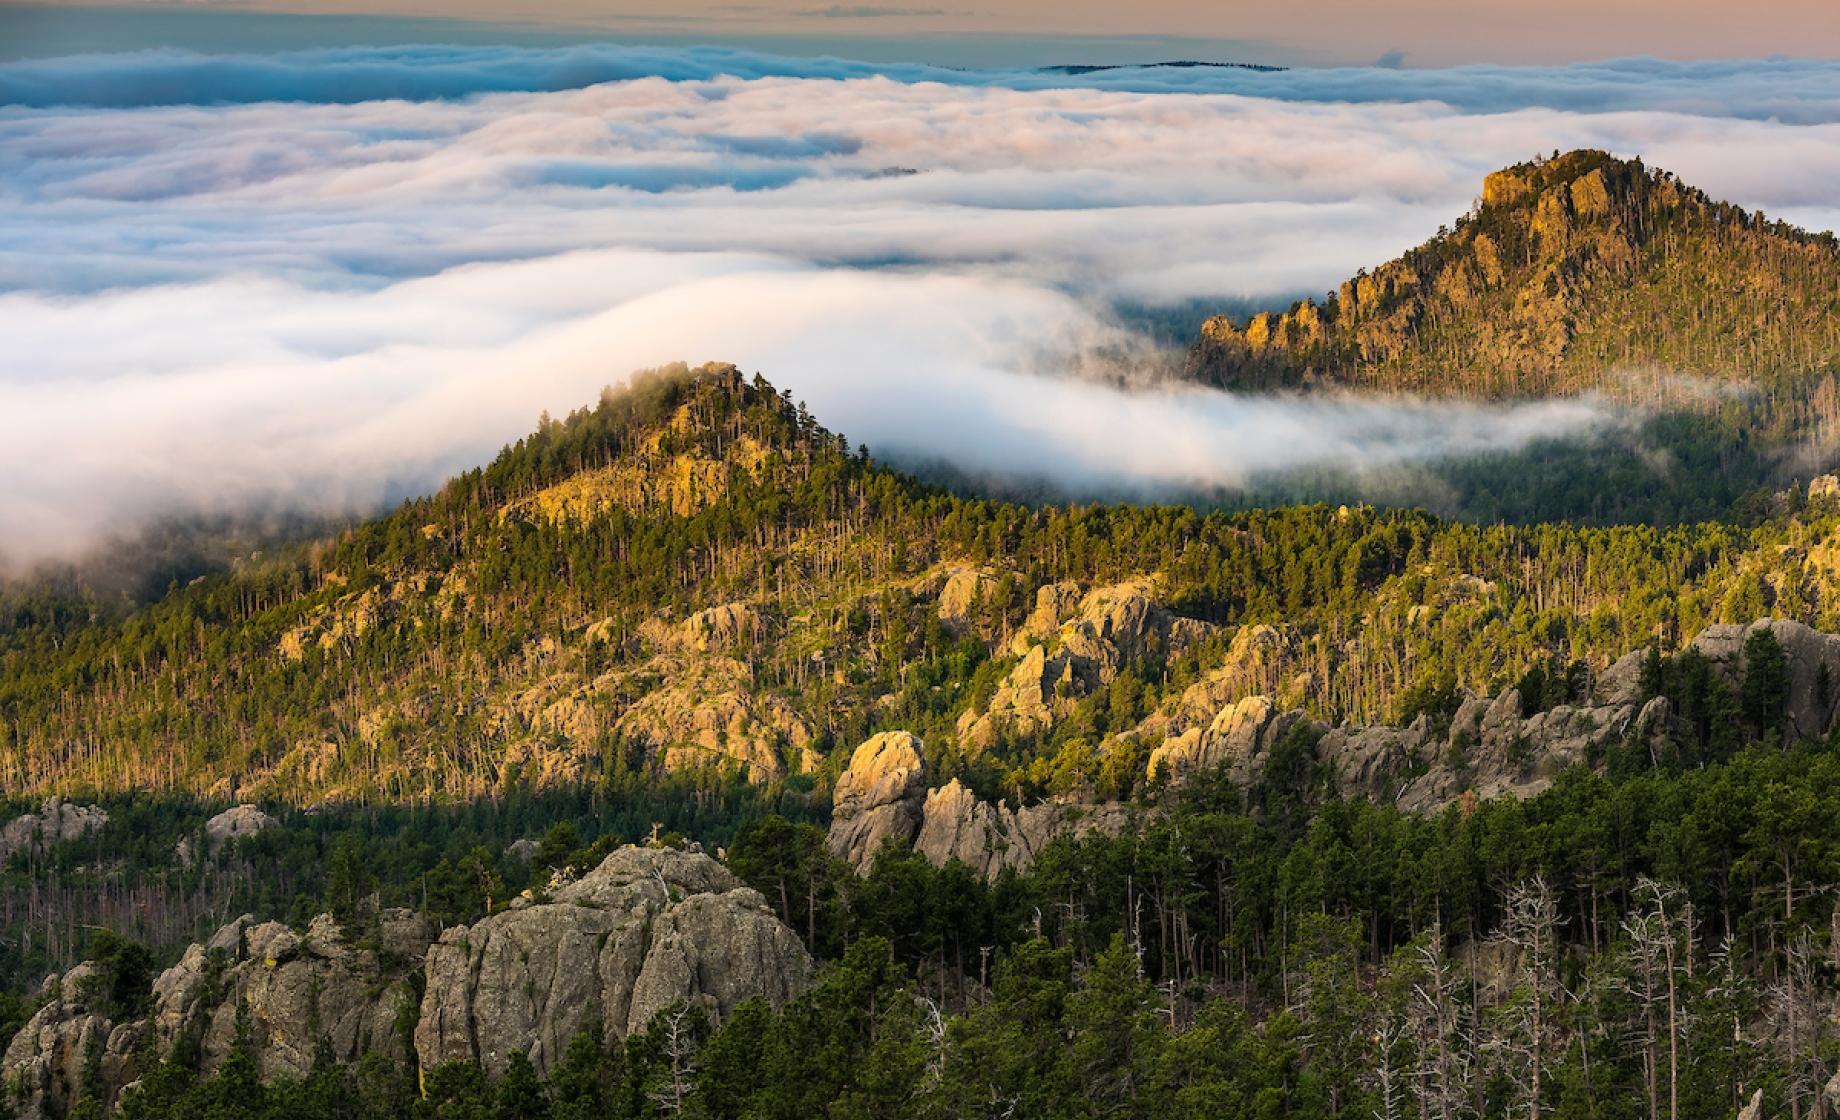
x=214 y=302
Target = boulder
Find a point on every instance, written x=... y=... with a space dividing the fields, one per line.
x=647 y=929
x=878 y=798
x=231 y=824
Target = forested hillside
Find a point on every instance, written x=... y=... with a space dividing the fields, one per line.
x=1125 y=849
x=694 y=577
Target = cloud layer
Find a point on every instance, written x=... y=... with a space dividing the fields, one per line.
x=210 y=307
x=1799 y=91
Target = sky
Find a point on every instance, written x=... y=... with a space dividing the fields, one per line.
x=320 y=277
x=1420 y=33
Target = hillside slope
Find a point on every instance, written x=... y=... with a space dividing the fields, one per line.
x=1576 y=272
x=695 y=582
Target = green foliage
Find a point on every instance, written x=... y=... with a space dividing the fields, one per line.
x=1764 y=692
x=349 y=885
x=119 y=986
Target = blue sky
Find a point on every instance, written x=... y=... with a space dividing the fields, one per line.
x=977 y=32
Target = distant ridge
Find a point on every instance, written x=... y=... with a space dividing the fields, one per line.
x=1077 y=69
x=1569 y=272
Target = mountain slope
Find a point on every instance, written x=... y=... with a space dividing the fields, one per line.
x=694 y=582
x=1579 y=271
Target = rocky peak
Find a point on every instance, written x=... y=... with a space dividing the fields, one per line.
x=1537 y=288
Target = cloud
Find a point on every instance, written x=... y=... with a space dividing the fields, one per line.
x=232 y=394
x=211 y=308
x=1797 y=91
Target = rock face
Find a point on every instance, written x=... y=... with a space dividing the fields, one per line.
x=883 y=796
x=644 y=930
x=296 y=989
x=990 y=837
x=45 y=1062
x=1813 y=662
x=56 y=822
x=878 y=798
x=1240 y=737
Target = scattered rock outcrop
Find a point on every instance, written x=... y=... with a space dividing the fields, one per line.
x=1070 y=645
x=708 y=711
x=883 y=796
x=727 y=627
x=56 y=822
x=1491 y=746
x=646 y=929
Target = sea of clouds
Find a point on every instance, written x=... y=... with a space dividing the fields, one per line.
x=324 y=279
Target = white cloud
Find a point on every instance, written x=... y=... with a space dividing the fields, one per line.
x=217 y=306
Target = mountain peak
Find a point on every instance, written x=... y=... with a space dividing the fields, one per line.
x=668 y=440
x=1569 y=269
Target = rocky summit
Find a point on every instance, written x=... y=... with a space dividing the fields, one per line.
x=1577 y=271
